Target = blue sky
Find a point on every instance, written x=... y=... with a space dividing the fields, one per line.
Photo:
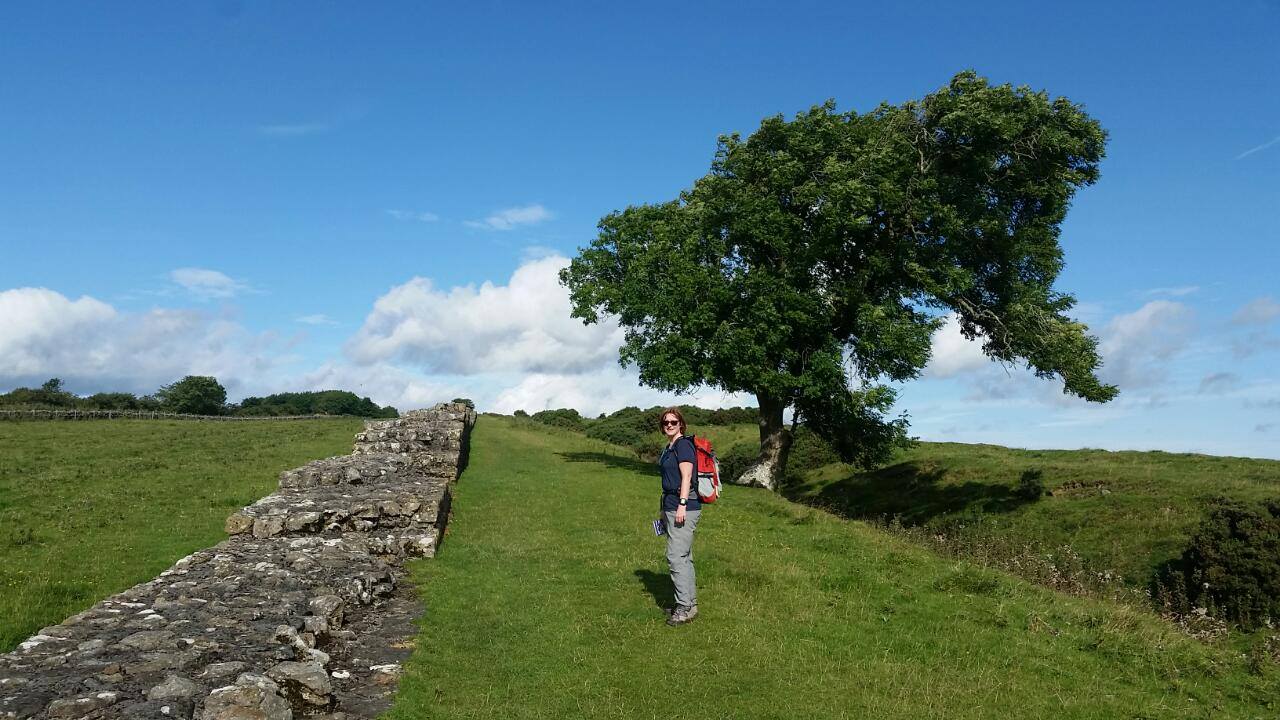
x=376 y=196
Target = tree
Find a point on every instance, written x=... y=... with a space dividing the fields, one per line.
x=817 y=258
x=112 y=401
x=194 y=394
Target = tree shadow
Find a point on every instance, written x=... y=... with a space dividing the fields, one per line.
x=658 y=586
x=914 y=491
x=621 y=462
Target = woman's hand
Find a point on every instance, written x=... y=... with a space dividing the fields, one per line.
x=680 y=515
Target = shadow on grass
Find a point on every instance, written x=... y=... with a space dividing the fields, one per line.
x=913 y=491
x=621 y=462
x=658 y=586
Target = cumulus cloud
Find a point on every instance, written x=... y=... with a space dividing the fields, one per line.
x=383 y=383
x=511 y=218
x=953 y=354
x=1258 y=312
x=523 y=326
x=207 y=284
x=1137 y=346
x=37 y=323
x=606 y=390
x=93 y=346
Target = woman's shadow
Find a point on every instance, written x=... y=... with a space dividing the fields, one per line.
x=658 y=585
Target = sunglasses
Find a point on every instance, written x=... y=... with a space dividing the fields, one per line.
x=670 y=423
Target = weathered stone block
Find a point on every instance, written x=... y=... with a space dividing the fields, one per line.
x=304 y=681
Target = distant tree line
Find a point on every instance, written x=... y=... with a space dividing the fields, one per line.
x=323 y=402
x=199 y=395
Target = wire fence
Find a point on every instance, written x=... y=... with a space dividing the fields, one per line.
x=47 y=414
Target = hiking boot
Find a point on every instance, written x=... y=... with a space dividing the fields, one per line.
x=681 y=615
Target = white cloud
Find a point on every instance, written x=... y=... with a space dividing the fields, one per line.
x=1136 y=347
x=1174 y=291
x=953 y=354
x=206 y=284
x=37 y=324
x=1136 y=350
x=317 y=319
x=94 y=347
x=608 y=389
x=413 y=215
x=523 y=326
x=512 y=218
x=382 y=383
x=1258 y=312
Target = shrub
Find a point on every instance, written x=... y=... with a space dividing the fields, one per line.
x=734 y=416
x=194 y=394
x=693 y=416
x=809 y=451
x=736 y=460
x=112 y=401
x=1030 y=485
x=631 y=428
x=521 y=414
x=563 y=418
x=50 y=394
x=1231 y=566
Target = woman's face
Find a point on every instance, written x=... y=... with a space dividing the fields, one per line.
x=670 y=426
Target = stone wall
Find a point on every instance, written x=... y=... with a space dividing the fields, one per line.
x=301 y=612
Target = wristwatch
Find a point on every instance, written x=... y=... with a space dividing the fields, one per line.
x=684 y=501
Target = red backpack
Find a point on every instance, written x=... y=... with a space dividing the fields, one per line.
x=706 y=470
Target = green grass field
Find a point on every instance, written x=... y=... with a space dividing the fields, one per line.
x=92 y=507
x=545 y=598
x=545 y=602
x=1125 y=512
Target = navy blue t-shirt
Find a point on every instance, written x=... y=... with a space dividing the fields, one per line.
x=669 y=463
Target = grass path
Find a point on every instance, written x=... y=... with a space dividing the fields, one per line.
x=92 y=507
x=544 y=602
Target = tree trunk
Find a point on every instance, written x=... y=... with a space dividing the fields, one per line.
x=775 y=446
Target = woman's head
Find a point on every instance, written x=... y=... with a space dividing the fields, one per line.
x=666 y=425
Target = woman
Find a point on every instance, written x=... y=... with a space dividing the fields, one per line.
x=680 y=511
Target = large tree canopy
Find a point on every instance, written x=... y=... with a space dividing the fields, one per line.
x=816 y=259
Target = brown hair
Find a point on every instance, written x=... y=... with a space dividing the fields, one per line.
x=672 y=411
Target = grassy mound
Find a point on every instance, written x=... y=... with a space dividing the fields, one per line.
x=93 y=507
x=1124 y=512
x=545 y=602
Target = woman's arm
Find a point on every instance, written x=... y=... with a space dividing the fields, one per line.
x=686 y=482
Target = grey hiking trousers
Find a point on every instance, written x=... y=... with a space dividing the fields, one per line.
x=680 y=555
